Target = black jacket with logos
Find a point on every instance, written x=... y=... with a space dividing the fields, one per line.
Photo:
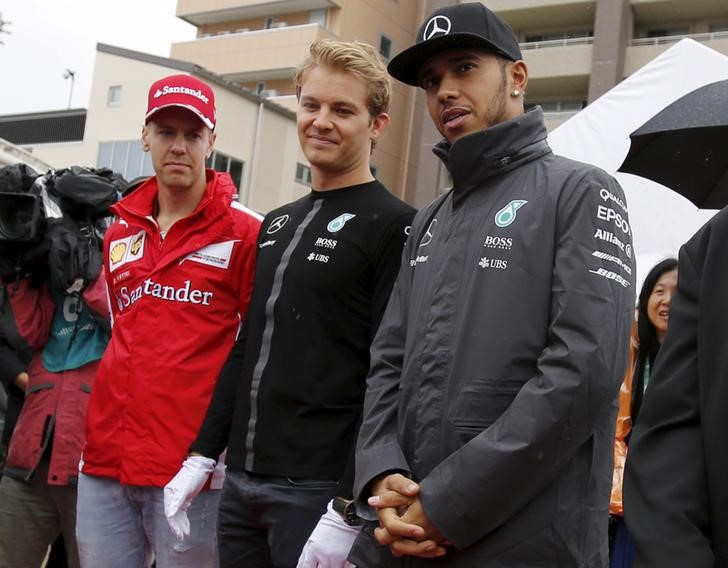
x=497 y=364
x=676 y=479
x=288 y=402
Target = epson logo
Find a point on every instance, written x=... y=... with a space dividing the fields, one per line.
x=503 y=243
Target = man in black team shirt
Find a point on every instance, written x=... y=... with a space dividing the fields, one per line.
x=288 y=402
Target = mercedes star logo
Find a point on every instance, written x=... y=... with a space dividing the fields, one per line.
x=437 y=25
x=277 y=224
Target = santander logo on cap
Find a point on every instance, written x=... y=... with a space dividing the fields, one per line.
x=183 y=91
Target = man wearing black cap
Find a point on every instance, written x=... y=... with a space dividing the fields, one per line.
x=490 y=406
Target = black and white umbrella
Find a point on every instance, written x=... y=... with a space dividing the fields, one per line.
x=685 y=147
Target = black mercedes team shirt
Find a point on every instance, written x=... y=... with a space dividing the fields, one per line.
x=288 y=401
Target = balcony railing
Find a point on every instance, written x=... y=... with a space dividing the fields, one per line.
x=256 y=55
x=557 y=43
x=559 y=114
x=662 y=40
x=204 y=12
x=277 y=27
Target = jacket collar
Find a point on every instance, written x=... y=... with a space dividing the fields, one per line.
x=140 y=204
x=203 y=226
x=495 y=150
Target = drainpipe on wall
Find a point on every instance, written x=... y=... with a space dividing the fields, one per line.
x=254 y=158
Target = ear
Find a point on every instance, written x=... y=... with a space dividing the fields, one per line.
x=518 y=75
x=210 y=143
x=379 y=125
x=145 y=137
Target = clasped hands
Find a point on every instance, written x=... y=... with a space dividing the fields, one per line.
x=403 y=524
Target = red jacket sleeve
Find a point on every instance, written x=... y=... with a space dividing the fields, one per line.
x=95 y=296
x=33 y=310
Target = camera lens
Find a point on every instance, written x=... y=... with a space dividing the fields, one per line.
x=18 y=217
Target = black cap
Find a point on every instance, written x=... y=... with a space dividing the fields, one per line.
x=462 y=26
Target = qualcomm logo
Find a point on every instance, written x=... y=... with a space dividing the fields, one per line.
x=437 y=25
x=507 y=215
x=338 y=223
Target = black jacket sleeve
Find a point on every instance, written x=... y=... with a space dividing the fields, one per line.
x=386 y=263
x=665 y=492
x=214 y=433
x=10 y=365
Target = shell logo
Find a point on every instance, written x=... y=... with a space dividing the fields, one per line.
x=136 y=244
x=117 y=253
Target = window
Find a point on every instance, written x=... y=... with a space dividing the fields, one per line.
x=126 y=158
x=558 y=36
x=114 y=96
x=667 y=32
x=318 y=17
x=558 y=106
x=303 y=174
x=269 y=23
x=385 y=46
x=221 y=162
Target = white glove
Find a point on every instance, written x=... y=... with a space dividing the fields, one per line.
x=329 y=543
x=184 y=487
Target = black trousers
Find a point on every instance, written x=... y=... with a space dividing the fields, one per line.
x=265 y=521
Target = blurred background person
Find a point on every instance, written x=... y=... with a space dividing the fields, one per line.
x=649 y=331
x=56 y=306
x=675 y=490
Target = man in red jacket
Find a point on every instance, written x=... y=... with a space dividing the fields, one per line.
x=179 y=267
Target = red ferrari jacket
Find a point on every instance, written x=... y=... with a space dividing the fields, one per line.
x=54 y=411
x=176 y=307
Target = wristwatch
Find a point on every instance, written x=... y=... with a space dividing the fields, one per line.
x=347 y=509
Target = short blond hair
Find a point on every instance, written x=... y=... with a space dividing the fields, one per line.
x=359 y=59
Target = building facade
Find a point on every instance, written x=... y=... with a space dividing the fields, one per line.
x=576 y=50
x=256 y=138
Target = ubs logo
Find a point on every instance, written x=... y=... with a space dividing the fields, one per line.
x=438 y=25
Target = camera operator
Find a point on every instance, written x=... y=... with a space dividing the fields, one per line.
x=56 y=297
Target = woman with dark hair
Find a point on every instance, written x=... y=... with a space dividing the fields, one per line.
x=653 y=310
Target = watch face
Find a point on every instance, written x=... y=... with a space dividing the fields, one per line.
x=348 y=513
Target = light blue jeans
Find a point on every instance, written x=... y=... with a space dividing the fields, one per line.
x=123 y=526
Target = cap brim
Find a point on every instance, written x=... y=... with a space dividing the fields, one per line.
x=405 y=66
x=207 y=122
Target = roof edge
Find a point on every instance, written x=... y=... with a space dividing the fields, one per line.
x=196 y=70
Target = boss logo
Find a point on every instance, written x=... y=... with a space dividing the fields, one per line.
x=503 y=243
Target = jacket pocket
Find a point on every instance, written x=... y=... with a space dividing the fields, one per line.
x=481 y=401
x=39 y=387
